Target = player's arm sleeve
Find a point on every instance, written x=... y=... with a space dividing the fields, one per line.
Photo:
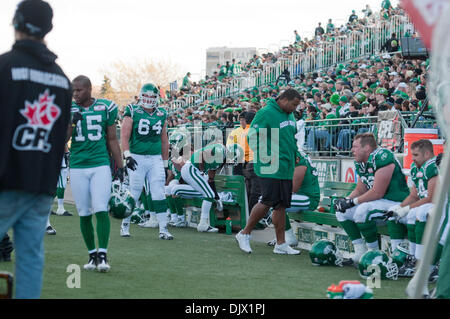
x=384 y=158
x=112 y=114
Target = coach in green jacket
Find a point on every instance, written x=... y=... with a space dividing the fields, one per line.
x=272 y=139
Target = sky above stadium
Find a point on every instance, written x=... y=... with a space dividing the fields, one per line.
x=88 y=35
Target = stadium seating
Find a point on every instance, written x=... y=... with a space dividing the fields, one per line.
x=330 y=191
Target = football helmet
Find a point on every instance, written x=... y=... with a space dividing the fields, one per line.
x=324 y=252
x=235 y=154
x=138 y=216
x=121 y=204
x=376 y=258
x=178 y=140
x=399 y=256
x=149 y=96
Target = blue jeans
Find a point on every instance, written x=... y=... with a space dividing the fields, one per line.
x=345 y=137
x=27 y=214
x=315 y=135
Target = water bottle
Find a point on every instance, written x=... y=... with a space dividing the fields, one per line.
x=229 y=226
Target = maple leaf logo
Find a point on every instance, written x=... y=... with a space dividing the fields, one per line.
x=42 y=112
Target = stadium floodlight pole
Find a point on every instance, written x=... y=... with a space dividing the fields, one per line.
x=439 y=92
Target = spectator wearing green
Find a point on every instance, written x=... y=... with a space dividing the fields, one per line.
x=297 y=37
x=330 y=26
x=186 y=84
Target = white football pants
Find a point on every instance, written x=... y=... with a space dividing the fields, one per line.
x=91 y=189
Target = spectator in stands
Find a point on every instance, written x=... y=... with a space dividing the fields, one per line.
x=330 y=27
x=297 y=37
x=319 y=31
x=367 y=11
x=353 y=17
x=392 y=44
x=186 y=84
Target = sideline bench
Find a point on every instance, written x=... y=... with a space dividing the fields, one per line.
x=329 y=192
x=234 y=184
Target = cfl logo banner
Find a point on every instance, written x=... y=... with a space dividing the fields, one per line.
x=41 y=115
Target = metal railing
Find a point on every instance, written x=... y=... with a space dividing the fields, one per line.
x=356 y=44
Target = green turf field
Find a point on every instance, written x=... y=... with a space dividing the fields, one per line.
x=192 y=266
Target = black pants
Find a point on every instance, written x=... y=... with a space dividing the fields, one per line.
x=252 y=185
x=238 y=169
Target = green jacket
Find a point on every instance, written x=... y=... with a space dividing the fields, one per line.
x=272 y=139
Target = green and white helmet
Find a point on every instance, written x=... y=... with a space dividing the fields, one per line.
x=138 y=216
x=178 y=139
x=149 y=96
x=324 y=252
x=376 y=261
x=121 y=204
x=399 y=256
x=235 y=154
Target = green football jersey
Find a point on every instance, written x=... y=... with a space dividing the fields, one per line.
x=212 y=159
x=398 y=189
x=421 y=176
x=176 y=173
x=146 y=132
x=88 y=146
x=310 y=185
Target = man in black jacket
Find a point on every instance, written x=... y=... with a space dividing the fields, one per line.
x=35 y=99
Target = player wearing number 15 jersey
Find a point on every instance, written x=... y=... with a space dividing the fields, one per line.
x=93 y=133
x=146 y=149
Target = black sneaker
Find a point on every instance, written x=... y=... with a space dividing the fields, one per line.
x=92 y=263
x=408 y=268
x=50 y=230
x=102 y=263
x=434 y=275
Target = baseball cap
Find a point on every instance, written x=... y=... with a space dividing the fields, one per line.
x=33 y=17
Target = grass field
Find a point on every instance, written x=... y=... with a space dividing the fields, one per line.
x=192 y=266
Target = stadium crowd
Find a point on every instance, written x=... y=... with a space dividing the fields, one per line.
x=336 y=95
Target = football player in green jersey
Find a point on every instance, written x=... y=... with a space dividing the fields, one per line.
x=93 y=133
x=381 y=184
x=146 y=150
x=413 y=211
x=198 y=173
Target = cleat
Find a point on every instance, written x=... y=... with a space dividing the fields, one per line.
x=102 y=263
x=180 y=223
x=165 y=235
x=92 y=263
x=285 y=249
x=408 y=268
x=125 y=230
x=244 y=242
x=50 y=230
x=152 y=222
x=434 y=275
x=52 y=213
x=62 y=212
x=206 y=228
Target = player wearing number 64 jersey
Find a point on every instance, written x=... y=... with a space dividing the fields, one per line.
x=146 y=149
x=93 y=133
